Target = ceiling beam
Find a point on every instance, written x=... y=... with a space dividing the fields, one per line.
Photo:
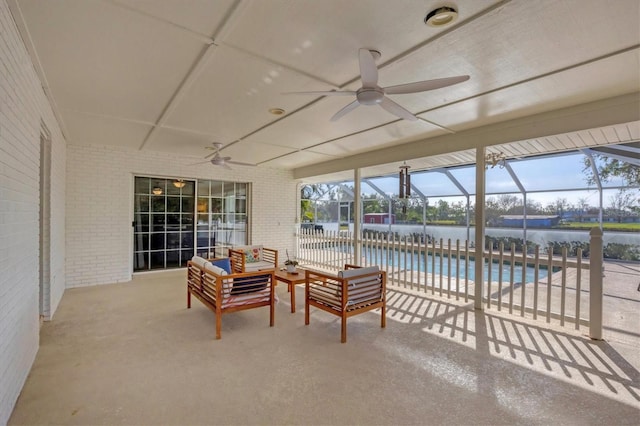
x=230 y=19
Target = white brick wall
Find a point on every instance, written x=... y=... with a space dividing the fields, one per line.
x=23 y=110
x=100 y=206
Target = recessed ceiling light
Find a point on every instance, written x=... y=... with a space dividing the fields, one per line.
x=276 y=111
x=441 y=16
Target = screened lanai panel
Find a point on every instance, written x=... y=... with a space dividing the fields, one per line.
x=434 y=184
x=499 y=181
x=466 y=176
x=368 y=190
x=387 y=184
x=552 y=173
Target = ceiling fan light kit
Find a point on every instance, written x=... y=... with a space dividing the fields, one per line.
x=372 y=94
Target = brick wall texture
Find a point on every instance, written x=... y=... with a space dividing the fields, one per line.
x=24 y=113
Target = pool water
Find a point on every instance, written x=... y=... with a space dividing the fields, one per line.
x=413 y=260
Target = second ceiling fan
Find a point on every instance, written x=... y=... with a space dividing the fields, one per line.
x=372 y=94
x=219 y=160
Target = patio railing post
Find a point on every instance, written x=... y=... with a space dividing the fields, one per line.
x=480 y=228
x=596 y=273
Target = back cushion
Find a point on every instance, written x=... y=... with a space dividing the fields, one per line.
x=349 y=273
x=199 y=261
x=226 y=284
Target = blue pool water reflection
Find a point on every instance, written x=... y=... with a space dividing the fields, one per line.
x=416 y=262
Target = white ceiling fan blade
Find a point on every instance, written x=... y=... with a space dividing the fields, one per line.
x=323 y=93
x=226 y=166
x=239 y=163
x=195 y=164
x=350 y=107
x=368 y=68
x=211 y=155
x=396 y=109
x=421 y=86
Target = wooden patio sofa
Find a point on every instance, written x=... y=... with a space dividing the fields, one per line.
x=224 y=292
x=351 y=292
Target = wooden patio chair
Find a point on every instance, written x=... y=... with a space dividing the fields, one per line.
x=224 y=293
x=353 y=291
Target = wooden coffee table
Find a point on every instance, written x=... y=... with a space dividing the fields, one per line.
x=291 y=280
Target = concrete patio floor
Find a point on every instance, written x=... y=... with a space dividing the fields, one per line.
x=131 y=353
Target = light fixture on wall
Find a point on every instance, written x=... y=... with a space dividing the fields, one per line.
x=493 y=159
x=179 y=183
x=441 y=16
x=157 y=190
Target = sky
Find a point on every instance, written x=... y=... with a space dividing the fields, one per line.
x=559 y=173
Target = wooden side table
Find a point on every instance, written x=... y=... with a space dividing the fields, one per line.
x=291 y=279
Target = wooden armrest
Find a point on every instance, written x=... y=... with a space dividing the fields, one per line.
x=237 y=260
x=270 y=255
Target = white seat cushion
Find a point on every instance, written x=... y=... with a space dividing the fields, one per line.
x=258 y=266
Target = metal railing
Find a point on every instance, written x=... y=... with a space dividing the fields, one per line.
x=536 y=284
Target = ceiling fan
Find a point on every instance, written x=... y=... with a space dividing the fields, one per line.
x=372 y=94
x=219 y=160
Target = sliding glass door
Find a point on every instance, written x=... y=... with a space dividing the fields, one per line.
x=164 y=211
x=222 y=217
x=163 y=223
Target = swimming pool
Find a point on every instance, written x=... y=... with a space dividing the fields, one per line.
x=415 y=262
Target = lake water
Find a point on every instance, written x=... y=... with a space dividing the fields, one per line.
x=539 y=236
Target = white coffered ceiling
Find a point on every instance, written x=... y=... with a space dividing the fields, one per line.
x=175 y=76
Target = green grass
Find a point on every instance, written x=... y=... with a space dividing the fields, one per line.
x=442 y=222
x=607 y=226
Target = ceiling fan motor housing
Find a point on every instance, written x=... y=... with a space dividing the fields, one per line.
x=369 y=95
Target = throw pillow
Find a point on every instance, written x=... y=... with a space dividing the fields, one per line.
x=215 y=269
x=252 y=254
x=223 y=263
